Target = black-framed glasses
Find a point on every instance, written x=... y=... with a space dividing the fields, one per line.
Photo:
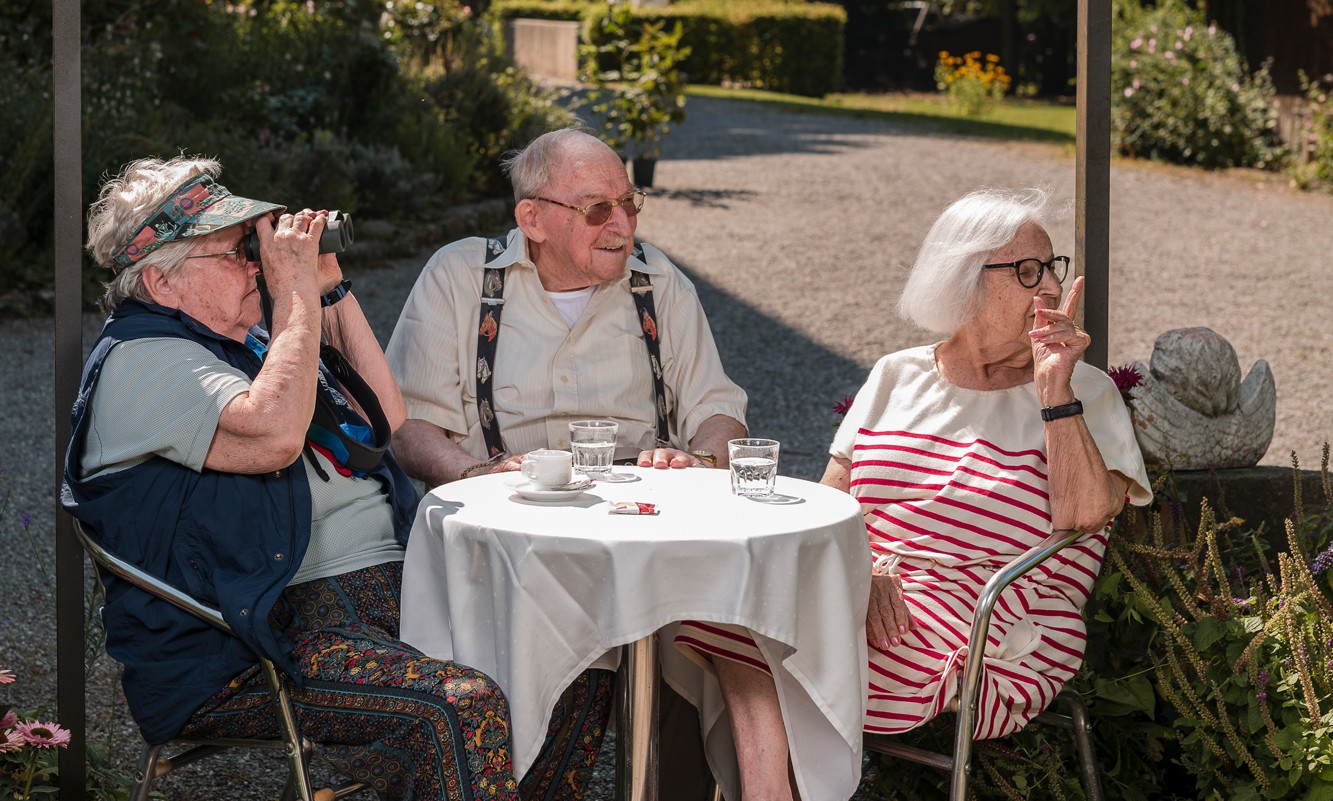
x=1030 y=271
x=598 y=213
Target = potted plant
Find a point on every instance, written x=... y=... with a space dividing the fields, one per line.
x=633 y=71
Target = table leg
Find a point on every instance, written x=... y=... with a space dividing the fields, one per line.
x=637 y=721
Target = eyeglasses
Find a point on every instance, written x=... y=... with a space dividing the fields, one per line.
x=237 y=252
x=599 y=213
x=1030 y=271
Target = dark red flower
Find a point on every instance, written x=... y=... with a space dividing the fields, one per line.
x=1126 y=378
x=843 y=406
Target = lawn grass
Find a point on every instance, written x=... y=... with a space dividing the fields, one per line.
x=1033 y=120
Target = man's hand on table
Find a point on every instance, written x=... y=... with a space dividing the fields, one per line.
x=663 y=458
x=504 y=463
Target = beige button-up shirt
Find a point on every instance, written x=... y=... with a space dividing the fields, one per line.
x=547 y=374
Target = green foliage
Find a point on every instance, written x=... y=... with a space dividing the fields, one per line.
x=1181 y=92
x=762 y=44
x=567 y=10
x=1316 y=133
x=971 y=84
x=634 y=75
x=388 y=109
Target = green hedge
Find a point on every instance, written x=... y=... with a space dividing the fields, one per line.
x=795 y=48
x=571 y=10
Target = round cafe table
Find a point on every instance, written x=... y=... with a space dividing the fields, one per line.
x=533 y=593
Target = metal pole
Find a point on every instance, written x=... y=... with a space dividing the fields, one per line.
x=1092 y=194
x=67 y=146
x=636 y=722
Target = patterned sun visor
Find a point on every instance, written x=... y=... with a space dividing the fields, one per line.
x=200 y=206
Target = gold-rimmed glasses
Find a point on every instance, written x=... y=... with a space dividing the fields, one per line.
x=598 y=213
x=238 y=252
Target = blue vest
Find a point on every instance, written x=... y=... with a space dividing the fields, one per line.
x=231 y=540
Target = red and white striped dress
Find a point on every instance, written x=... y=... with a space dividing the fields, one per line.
x=953 y=485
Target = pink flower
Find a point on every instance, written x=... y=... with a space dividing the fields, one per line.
x=9 y=721
x=6 y=677
x=1129 y=92
x=1169 y=56
x=10 y=742
x=1136 y=44
x=43 y=735
x=843 y=406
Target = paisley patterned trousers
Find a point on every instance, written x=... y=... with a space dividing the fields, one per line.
x=410 y=726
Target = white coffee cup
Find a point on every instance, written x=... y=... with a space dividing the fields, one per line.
x=547 y=469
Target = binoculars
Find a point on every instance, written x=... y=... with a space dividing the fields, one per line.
x=335 y=239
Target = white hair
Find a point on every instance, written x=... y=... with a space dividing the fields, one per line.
x=122 y=205
x=946 y=284
x=530 y=169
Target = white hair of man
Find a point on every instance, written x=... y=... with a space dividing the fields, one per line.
x=946 y=285
x=121 y=207
x=530 y=169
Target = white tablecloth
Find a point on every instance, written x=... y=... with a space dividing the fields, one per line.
x=532 y=593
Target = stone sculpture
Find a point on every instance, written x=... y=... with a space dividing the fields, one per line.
x=1193 y=412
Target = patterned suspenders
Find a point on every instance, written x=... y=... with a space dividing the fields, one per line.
x=488 y=330
x=642 y=290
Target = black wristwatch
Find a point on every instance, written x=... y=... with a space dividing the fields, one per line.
x=1049 y=413
x=336 y=294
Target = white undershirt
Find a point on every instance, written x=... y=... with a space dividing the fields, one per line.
x=571 y=304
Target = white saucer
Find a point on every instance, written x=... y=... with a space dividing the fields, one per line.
x=529 y=491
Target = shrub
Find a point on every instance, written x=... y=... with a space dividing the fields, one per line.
x=971 y=84
x=1181 y=91
x=1238 y=648
x=642 y=95
x=389 y=108
x=1316 y=133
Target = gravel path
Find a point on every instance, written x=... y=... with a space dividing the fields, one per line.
x=798 y=229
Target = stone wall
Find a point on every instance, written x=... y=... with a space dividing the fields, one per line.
x=546 y=49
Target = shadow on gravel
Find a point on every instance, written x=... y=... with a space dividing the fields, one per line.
x=706 y=198
x=792 y=381
x=767 y=126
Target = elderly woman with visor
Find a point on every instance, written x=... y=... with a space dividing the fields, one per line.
x=250 y=468
x=964 y=454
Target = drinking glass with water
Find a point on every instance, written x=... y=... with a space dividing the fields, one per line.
x=754 y=466
x=594 y=445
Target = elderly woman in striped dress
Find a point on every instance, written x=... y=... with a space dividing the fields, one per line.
x=964 y=454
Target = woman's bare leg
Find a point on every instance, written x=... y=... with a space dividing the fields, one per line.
x=757 y=728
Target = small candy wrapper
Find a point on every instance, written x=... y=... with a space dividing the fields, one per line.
x=632 y=508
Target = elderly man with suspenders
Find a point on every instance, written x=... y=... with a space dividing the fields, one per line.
x=504 y=341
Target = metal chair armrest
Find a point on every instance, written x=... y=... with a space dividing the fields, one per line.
x=971 y=687
x=147 y=581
